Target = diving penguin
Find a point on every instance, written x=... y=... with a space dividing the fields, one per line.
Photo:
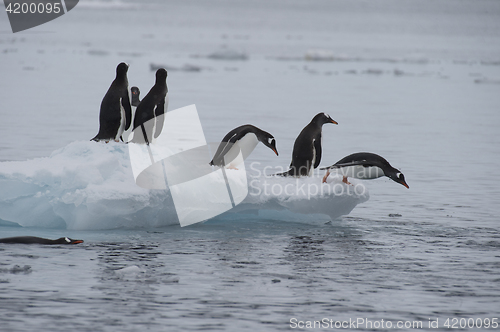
x=306 y=154
x=365 y=165
x=152 y=107
x=244 y=138
x=115 y=115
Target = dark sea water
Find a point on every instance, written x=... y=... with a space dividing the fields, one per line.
x=414 y=81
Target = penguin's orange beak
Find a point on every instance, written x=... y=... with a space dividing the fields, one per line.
x=335 y=122
x=77 y=241
x=404 y=184
x=276 y=151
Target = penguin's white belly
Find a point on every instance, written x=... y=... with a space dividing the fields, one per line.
x=313 y=161
x=166 y=102
x=246 y=145
x=151 y=133
x=159 y=118
x=360 y=172
x=123 y=121
x=128 y=134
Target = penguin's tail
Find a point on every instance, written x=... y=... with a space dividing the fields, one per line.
x=290 y=172
x=97 y=137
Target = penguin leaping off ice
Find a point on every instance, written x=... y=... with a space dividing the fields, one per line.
x=306 y=154
x=115 y=115
x=244 y=138
x=365 y=165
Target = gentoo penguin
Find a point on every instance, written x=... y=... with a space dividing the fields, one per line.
x=116 y=114
x=365 y=165
x=39 y=240
x=244 y=138
x=151 y=107
x=135 y=92
x=306 y=154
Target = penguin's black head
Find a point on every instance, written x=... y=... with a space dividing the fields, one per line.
x=121 y=69
x=398 y=177
x=269 y=141
x=135 y=92
x=67 y=240
x=322 y=118
x=161 y=75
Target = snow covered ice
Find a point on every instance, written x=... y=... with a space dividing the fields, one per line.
x=88 y=185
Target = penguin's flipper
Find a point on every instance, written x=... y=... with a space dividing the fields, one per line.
x=128 y=109
x=317 y=148
x=159 y=118
x=222 y=150
x=225 y=145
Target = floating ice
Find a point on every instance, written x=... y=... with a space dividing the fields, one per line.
x=100 y=4
x=26 y=269
x=133 y=269
x=288 y=198
x=320 y=55
x=226 y=54
x=89 y=185
x=186 y=67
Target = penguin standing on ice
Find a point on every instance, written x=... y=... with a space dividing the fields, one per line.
x=244 y=138
x=306 y=154
x=365 y=165
x=116 y=114
x=134 y=93
x=151 y=107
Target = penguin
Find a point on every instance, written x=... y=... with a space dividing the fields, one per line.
x=39 y=240
x=151 y=107
x=306 y=154
x=365 y=165
x=116 y=114
x=134 y=93
x=243 y=138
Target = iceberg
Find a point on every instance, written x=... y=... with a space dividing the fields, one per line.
x=90 y=186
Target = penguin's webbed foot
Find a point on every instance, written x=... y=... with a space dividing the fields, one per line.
x=345 y=180
x=325 y=177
